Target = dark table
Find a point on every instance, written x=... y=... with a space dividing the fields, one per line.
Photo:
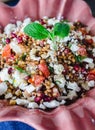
x=92 y=5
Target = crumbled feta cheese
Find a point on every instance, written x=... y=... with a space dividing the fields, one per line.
x=22 y=101
x=30 y=88
x=73 y=86
x=32 y=105
x=18 y=78
x=72 y=94
x=88 y=60
x=4 y=76
x=53 y=46
x=91 y=65
x=91 y=83
x=62 y=102
x=32 y=55
x=3 y=88
x=51 y=104
x=52 y=21
x=9 y=28
x=74 y=48
x=58 y=69
x=26 y=21
x=8 y=96
x=60 y=80
x=41 y=106
x=16 y=47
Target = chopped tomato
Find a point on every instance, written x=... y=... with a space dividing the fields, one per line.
x=38 y=79
x=0 y=81
x=90 y=77
x=30 y=80
x=82 y=51
x=44 y=68
x=6 y=51
x=92 y=72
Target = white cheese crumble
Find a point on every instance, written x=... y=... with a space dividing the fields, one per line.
x=30 y=88
x=73 y=86
x=58 y=69
x=32 y=105
x=91 y=83
x=22 y=101
x=9 y=28
x=60 y=80
x=32 y=55
x=74 y=47
x=51 y=104
x=18 y=78
x=4 y=76
x=3 y=88
x=88 y=60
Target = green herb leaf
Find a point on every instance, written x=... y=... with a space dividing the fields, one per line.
x=23 y=57
x=58 y=82
x=20 y=69
x=79 y=58
x=61 y=29
x=36 y=31
x=51 y=69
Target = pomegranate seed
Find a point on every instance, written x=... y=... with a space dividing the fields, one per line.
x=37 y=99
x=76 y=67
x=27 y=77
x=42 y=21
x=10 y=70
x=41 y=43
x=7 y=40
x=19 y=38
x=50 y=27
x=66 y=51
x=13 y=35
x=26 y=37
x=47 y=98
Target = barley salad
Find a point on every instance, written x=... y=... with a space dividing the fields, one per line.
x=46 y=63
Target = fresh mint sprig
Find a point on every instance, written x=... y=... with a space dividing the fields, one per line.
x=38 y=31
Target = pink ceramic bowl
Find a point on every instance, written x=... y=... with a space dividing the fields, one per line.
x=81 y=114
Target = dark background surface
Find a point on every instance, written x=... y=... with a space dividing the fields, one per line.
x=92 y=5
x=18 y=125
x=90 y=2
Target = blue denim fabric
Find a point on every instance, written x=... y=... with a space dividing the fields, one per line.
x=14 y=125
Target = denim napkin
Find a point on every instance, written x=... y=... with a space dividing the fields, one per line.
x=14 y=125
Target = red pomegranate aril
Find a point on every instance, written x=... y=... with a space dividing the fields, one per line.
x=25 y=37
x=76 y=67
x=13 y=35
x=42 y=21
x=47 y=98
x=41 y=43
x=7 y=40
x=27 y=77
x=19 y=38
x=50 y=27
x=10 y=70
x=83 y=70
x=37 y=99
x=66 y=51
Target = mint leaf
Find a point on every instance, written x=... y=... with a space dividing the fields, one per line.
x=79 y=58
x=61 y=29
x=20 y=69
x=36 y=30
